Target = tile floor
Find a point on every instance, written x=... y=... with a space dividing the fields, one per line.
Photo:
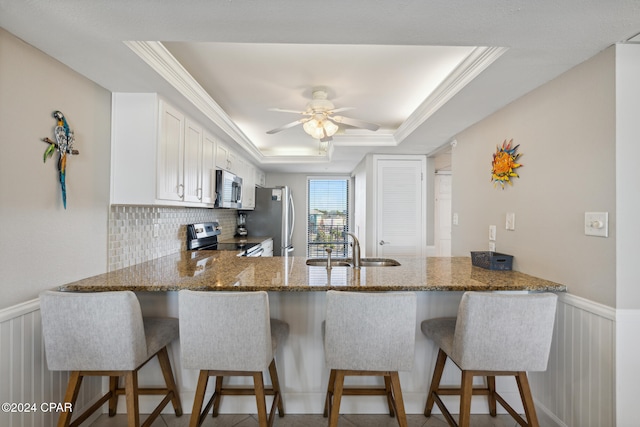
x=294 y=420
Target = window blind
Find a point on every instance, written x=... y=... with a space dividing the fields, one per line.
x=328 y=217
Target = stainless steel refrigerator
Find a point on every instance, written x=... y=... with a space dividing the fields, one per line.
x=273 y=216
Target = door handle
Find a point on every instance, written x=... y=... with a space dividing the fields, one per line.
x=382 y=242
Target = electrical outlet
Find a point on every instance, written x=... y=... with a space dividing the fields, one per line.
x=454 y=219
x=492 y=233
x=492 y=246
x=156 y=230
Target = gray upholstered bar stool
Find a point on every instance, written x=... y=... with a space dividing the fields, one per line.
x=230 y=334
x=493 y=335
x=104 y=334
x=368 y=334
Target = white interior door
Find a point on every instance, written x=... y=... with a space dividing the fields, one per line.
x=442 y=218
x=400 y=208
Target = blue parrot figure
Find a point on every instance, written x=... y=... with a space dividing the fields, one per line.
x=64 y=138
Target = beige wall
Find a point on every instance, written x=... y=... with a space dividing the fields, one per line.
x=566 y=132
x=72 y=243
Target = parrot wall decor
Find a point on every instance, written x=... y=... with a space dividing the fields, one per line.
x=64 y=146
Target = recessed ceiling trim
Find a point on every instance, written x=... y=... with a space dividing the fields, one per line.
x=373 y=139
x=477 y=61
x=164 y=63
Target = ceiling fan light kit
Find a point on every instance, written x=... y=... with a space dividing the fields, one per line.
x=320 y=128
x=321 y=123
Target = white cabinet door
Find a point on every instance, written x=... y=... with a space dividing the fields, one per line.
x=192 y=162
x=228 y=160
x=261 y=178
x=249 y=186
x=170 y=172
x=400 y=208
x=233 y=161
x=208 y=169
x=222 y=154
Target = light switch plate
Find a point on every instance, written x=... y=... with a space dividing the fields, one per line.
x=492 y=233
x=511 y=221
x=596 y=224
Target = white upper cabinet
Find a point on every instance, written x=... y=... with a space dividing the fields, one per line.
x=158 y=155
x=226 y=159
x=192 y=162
x=261 y=178
x=171 y=154
x=208 y=169
x=248 y=186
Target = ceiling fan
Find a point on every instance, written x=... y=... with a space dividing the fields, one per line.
x=320 y=121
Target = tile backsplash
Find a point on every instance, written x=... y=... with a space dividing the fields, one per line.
x=131 y=238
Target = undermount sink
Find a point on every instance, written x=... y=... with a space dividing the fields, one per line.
x=348 y=262
x=335 y=262
x=378 y=262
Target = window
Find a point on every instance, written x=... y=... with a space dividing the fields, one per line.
x=328 y=216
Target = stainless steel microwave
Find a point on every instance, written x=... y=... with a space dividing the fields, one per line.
x=228 y=190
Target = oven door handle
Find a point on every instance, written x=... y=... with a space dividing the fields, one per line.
x=255 y=253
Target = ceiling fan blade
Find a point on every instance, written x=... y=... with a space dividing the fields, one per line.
x=338 y=110
x=288 y=125
x=283 y=110
x=354 y=122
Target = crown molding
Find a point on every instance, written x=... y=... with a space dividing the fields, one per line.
x=156 y=55
x=476 y=62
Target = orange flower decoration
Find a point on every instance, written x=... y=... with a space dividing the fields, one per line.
x=504 y=163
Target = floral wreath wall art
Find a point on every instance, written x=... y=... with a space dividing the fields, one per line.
x=504 y=164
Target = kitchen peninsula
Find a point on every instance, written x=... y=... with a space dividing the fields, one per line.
x=223 y=271
x=297 y=296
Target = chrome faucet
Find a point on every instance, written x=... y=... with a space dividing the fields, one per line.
x=356 y=250
x=328 y=258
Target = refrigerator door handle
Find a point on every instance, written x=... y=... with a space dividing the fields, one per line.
x=293 y=218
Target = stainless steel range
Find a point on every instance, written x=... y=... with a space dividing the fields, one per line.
x=204 y=236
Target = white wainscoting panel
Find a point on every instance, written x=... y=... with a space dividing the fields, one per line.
x=24 y=377
x=578 y=388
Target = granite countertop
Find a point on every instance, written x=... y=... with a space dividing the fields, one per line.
x=224 y=271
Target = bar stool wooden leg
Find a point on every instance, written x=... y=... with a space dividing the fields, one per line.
x=113 y=400
x=165 y=365
x=330 y=387
x=217 y=395
x=197 y=415
x=275 y=383
x=75 y=380
x=258 y=385
x=337 y=396
x=465 y=398
x=435 y=381
x=131 y=391
x=397 y=399
x=527 y=399
x=388 y=389
x=491 y=385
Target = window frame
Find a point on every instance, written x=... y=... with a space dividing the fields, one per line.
x=349 y=212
